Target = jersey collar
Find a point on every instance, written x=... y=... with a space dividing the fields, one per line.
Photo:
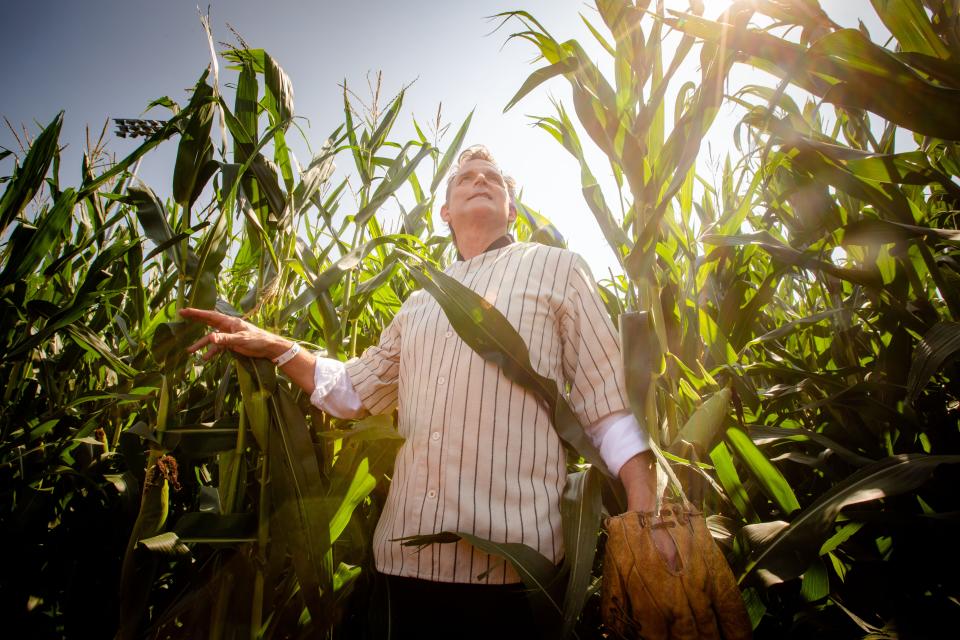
x=499 y=243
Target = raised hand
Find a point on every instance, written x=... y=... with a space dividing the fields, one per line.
x=234 y=334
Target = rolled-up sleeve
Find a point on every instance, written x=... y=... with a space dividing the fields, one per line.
x=332 y=391
x=375 y=374
x=618 y=437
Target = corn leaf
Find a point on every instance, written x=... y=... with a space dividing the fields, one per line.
x=192 y=168
x=791 y=550
x=769 y=477
x=28 y=177
x=580 y=508
x=938 y=347
x=27 y=256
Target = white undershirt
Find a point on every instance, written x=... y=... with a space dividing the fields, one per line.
x=617 y=436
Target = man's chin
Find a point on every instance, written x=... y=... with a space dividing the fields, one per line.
x=481 y=208
x=480 y=225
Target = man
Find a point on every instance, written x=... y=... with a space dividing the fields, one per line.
x=480 y=454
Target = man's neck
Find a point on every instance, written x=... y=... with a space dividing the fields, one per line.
x=465 y=250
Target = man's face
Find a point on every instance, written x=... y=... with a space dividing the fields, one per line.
x=478 y=202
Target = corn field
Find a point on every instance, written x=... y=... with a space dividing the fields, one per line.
x=790 y=331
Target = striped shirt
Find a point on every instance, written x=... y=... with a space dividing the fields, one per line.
x=480 y=453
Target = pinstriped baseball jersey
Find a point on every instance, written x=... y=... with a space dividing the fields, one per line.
x=481 y=454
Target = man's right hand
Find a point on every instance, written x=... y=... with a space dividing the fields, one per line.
x=234 y=334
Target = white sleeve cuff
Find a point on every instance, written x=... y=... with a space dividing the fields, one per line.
x=333 y=391
x=619 y=437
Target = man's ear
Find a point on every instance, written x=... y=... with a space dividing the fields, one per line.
x=513 y=212
x=445 y=213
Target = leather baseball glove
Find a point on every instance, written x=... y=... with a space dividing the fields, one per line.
x=644 y=598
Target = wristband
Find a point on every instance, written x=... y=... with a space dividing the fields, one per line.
x=287 y=355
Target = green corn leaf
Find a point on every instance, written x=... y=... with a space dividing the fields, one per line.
x=379 y=134
x=27 y=256
x=317 y=173
x=170 y=340
x=845 y=68
x=281 y=157
x=872 y=78
x=86 y=297
x=843 y=534
x=938 y=347
x=815 y=584
x=257 y=380
x=792 y=549
x=730 y=480
x=279 y=90
x=399 y=171
x=601 y=40
x=351 y=260
x=361 y=484
x=767 y=475
x=297 y=495
x=539 y=227
x=359 y=159
x=675 y=161
x=908 y=22
x=245 y=112
x=538 y=77
x=792 y=326
x=451 y=153
x=563 y=129
x=580 y=508
x=795 y=258
x=378 y=427
x=767 y=433
x=192 y=168
x=267 y=178
x=875 y=232
x=756 y=608
x=153 y=218
x=91 y=341
x=415 y=220
x=345 y=576
x=642 y=361
x=944 y=72
x=212 y=250
x=167 y=543
x=28 y=177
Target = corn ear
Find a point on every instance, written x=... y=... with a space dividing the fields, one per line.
x=136 y=577
x=704 y=426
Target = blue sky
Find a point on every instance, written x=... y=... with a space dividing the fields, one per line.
x=109 y=58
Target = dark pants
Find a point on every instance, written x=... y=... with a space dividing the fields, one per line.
x=423 y=609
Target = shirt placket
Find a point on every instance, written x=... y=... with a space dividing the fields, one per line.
x=430 y=437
